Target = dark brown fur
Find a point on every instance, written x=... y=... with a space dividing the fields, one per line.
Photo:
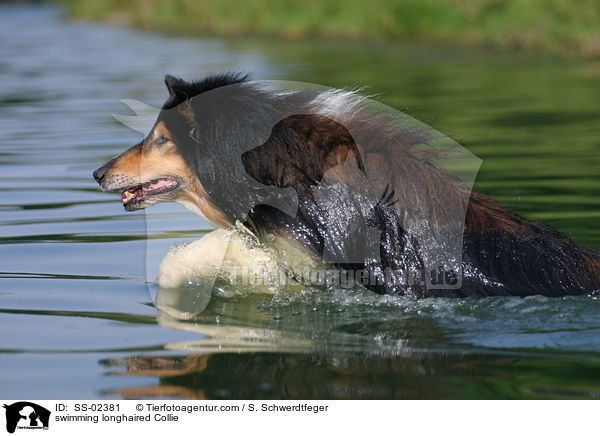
x=505 y=253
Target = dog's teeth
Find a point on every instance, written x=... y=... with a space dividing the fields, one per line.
x=152 y=187
x=126 y=197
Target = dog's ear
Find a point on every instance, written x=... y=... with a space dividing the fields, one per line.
x=177 y=91
x=174 y=84
x=300 y=150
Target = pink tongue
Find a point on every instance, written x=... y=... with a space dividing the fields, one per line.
x=139 y=192
x=159 y=184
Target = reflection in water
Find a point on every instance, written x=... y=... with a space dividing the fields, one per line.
x=253 y=322
x=275 y=376
x=357 y=376
x=350 y=357
x=257 y=346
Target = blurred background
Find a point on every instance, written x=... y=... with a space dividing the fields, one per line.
x=515 y=82
x=559 y=26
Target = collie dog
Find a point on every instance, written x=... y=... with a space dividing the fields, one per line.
x=356 y=186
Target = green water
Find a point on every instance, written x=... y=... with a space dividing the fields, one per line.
x=75 y=303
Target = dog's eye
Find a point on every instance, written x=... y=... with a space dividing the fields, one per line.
x=161 y=140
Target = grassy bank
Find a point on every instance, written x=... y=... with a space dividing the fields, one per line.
x=560 y=26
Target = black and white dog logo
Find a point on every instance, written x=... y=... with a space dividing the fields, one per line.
x=26 y=415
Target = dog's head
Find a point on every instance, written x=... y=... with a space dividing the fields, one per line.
x=156 y=169
x=204 y=151
x=220 y=150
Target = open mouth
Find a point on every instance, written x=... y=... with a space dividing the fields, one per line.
x=138 y=197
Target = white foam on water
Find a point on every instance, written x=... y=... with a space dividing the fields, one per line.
x=234 y=258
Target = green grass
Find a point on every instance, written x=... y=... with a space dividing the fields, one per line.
x=560 y=26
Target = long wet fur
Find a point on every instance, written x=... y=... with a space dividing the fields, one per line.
x=503 y=253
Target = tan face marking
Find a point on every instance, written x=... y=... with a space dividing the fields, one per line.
x=156 y=157
x=160 y=136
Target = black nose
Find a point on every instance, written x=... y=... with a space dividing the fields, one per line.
x=100 y=173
